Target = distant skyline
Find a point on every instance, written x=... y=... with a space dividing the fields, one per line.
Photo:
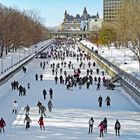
x=52 y=11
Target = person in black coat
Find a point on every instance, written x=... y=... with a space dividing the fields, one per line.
x=91 y=121
x=108 y=100
x=100 y=99
x=2 y=125
x=51 y=93
x=44 y=94
x=105 y=125
x=28 y=121
x=36 y=77
x=117 y=128
x=41 y=77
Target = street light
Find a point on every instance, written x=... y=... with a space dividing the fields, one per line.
x=1 y=66
x=35 y=48
x=19 y=56
x=11 y=61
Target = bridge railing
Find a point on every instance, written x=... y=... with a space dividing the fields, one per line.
x=130 y=83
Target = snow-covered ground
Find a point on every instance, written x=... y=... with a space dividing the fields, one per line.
x=72 y=108
x=8 y=61
x=122 y=57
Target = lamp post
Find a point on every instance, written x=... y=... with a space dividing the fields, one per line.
x=1 y=66
x=24 y=52
x=35 y=48
x=19 y=56
x=11 y=61
x=124 y=55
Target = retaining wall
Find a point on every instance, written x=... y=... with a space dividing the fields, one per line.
x=130 y=84
x=9 y=73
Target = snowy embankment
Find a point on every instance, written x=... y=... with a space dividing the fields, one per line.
x=12 y=61
x=124 y=58
x=72 y=108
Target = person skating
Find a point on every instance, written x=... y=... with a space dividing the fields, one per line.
x=108 y=100
x=98 y=86
x=91 y=121
x=88 y=84
x=56 y=79
x=36 y=77
x=15 y=107
x=41 y=123
x=41 y=77
x=27 y=109
x=117 y=128
x=101 y=127
x=39 y=104
x=2 y=125
x=100 y=100
x=28 y=85
x=50 y=106
x=51 y=93
x=28 y=121
x=97 y=71
x=44 y=94
x=105 y=125
x=42 y=110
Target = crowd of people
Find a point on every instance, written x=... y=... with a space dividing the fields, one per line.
x=103 y=127
x=60 y=71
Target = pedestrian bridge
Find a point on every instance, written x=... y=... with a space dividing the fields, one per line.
x=72 y=33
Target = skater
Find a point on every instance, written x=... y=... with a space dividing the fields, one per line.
x=28 y=121
x=97 y=71
x=28 y=85
x=42 y=110
x=94 y=64
x=50 y=106
x=44 y=94
x=88 y=84
x=98 y=86
x=27 y=109
x=105 y=125
x=51 y=93
x=24 y=69
x=101 y=127
x=39 y=104
x=41 y=123
x=36 y=77
x=117 y=128
x=20 y=90
x=15 y=107
x=41 y=77
x=108 y=101
x=24 y=91
x=55 y=78
x=91 y=121
x=2 y=125
x=100 y=99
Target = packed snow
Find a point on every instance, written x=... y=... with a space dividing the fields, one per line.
x=122 y=57
x=72 y=108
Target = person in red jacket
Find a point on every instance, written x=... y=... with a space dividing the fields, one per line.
x=41 y=123
x=2 y=125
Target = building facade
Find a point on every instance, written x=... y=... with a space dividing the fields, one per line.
x=111 y=9
x=95 y=24
x=78 y=22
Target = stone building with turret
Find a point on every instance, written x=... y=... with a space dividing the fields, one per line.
x=78 y=22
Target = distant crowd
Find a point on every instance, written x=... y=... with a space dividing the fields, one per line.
x=61 y=50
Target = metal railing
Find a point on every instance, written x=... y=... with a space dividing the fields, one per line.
x=131 y=80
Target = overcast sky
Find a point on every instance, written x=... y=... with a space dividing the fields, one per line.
x=52 y=11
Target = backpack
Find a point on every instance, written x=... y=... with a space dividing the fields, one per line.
x=117 y=125
x=90 y=122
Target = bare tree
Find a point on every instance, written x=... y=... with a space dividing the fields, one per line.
x=19 y=29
